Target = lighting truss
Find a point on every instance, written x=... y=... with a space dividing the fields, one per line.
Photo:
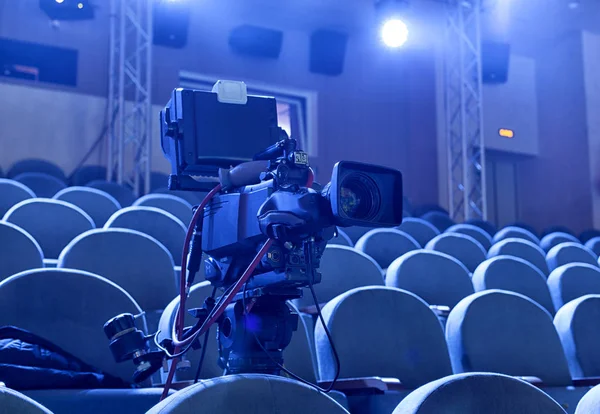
x=130 y=106
x=463 y=110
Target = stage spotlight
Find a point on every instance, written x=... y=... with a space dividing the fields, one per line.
x=394 y=33
x=59 y=1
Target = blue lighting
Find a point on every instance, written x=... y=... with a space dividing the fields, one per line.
x=394 y=33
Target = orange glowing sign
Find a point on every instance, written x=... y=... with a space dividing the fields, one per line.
x=506 y=133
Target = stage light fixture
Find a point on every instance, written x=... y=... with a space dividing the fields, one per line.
x=394 y=33
x=59 y=1
x=391 y=17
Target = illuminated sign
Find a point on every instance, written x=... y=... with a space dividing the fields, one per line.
x=506 y=133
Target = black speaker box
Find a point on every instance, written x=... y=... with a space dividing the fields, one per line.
x=327 y=52
x=170 y=23
x=495 y=59
x=254 y=41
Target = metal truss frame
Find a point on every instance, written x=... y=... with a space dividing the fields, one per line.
x=130 y=84
x=464 y=112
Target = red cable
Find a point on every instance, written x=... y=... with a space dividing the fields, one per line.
x=311 y=178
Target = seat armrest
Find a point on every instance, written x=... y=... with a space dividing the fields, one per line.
x=586 y=382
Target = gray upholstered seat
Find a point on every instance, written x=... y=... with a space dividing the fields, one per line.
x=594 y=245
x=508 y=333
x=18 y=251
x=478 y=393
x=98 y=204
x=342 y=268
x=422 y=231
x=52 y=223
x=515 y=275
x=590 y=403
x=68 y=308
x=486 y=226
x=386 y=245
x=341 y=239
x=569 y=252
x=523 y=249
x=123 y=194
x=554 y=239
x=440 y=220
x=86 y=174
x=161 y=225
x=372 y=338
x=12 y=193
x=38 y=166
x=579 y=331
x=13 y=402
x=475 y=232
x=248 y=394
x=462 y=247
x=513 y=232
x=169 y=203
x=572 y=281
x=355 y=233
x=133 y=260
x=43 y=185
x=437 y=278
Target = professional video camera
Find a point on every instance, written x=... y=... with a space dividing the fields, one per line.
x=262 y=226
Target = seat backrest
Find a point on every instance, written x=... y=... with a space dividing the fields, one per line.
x=437 y=278
x=133 y=260
x=554 y=239
x=43 y=185
x=248 y=394
x=590 y=402
x=161 y=225
x=464 y=248
x=440 y=220
x=486 y=226
x=52 y=223
x=579 y=331
x=355 y=232
x=19 y=251
x=86 y=174
x=475 y=232
x=13 y=402
x=569 y=252
x=588 y=234
x=474 y=393
x=38 y=166
x=420 y=230
x=341 y=239
x=98 y=204
x=192 y=197
x=12 y=193
x=169 y=203
x=372 y=338
x=594 y=245
x=68 y=308
x=123 y=194
x=513 y=232
x=515 y=275
x=342 y=268
x=508 y=333
x=572 y=281
x=522 y=249
x=386 y=245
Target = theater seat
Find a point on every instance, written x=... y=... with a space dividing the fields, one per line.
x=464 y=248
x=420 y=230
x=515 y=275
x=594 y=245
x=514 y=232
x=355 y=232
x=573 y=281
x=566 y=253
x=590 y=403
x=579 y=331
x=440 y=220
x=13 y=402
x=18 y=251
x=43 y=185
x=123 y=194
x=86 y=174
x=478 y=393
x=341 y=239
x=475 y=232
x=248 y=394
x=554 y=239
x=386 y=245
x=98 y=204
x=12 y=193
x=435 y=277
x=52 y=223
x=522 y=249
x=486 y=226
x=192 y=197
x=157 y=223
x=169 y=203
x=38 y=166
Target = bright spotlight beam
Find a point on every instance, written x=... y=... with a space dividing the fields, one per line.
x=394 y=33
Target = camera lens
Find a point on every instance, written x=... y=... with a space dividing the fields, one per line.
x=359 y=197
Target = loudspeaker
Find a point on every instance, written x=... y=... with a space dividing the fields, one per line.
x=495 y=59
x=256 y=41
x=170 y=23
x=327 y=52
